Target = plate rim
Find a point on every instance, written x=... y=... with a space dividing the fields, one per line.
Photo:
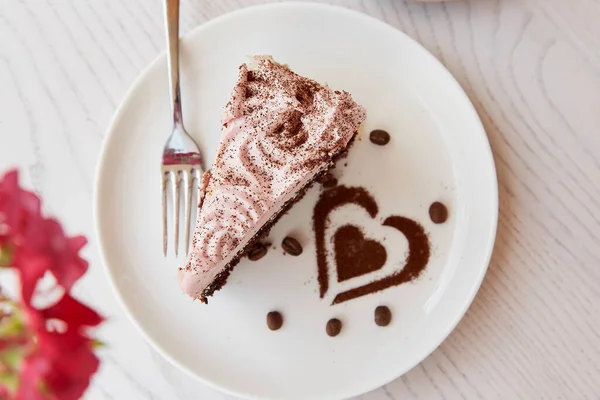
x=118 y=115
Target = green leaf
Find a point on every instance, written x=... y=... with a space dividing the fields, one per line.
x=43 y=387
x=6 y=254
x=97 y=344
x=11 y=325
x=12 y=357
x=10 y=380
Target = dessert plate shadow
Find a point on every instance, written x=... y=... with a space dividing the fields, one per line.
x=438 y=152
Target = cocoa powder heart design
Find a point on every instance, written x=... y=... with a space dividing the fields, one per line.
x=355 y=255
x=418 y=245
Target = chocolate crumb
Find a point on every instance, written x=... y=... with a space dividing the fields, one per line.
x=258 y=251
x=274 y=320
x=291 y=246
x=328 y=181
x=333 y=327
x=383 y=316
x=438 y=213
x=379 y=137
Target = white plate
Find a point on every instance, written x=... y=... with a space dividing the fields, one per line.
x=438 y=151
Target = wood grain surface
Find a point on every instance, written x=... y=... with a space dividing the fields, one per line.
x=532 y=69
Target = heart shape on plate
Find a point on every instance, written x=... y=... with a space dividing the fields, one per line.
x=350 y=246
x=355 y=255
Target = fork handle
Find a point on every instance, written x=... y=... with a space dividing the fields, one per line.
x=172 y=26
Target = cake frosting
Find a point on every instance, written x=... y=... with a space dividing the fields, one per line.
x=280 y=131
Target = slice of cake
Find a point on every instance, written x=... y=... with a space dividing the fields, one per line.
x=280 y=132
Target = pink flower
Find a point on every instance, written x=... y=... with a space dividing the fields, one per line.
x=64 y=362
x=57 y=359
x=68 y=310
x=39 y=244
x=33 y=370
x=43 y=246
x=17 y=206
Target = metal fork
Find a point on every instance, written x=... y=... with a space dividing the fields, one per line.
x=181 y=160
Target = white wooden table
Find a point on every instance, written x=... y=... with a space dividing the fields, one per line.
x=532 y=69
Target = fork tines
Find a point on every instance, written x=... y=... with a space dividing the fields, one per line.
x=172 y=178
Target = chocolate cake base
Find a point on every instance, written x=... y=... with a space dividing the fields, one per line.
x=221 y=278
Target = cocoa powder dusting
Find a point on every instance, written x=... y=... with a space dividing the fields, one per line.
x=357 y=256
x=418 y=256
x=329 y=201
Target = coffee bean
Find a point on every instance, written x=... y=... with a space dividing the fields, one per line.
x=383 y=316
x=328 y=181
x=274 y=320
x=379 y=137
x=257 y=252
x=438 y=213
x=333 y=327
x=291 y=246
